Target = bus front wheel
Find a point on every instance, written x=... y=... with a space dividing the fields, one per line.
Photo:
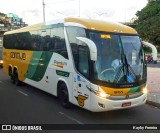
x=63 y=96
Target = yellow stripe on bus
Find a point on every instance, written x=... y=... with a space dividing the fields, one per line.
x=115 y=91
x=102 y=25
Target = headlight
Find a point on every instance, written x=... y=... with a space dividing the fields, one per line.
x=102 y=94
x=144 y=90
x=99 y=92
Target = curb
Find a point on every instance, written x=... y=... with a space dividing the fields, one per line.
x=153 y=103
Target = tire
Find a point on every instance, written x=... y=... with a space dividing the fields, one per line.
x=63 y=96
x=16 y=80
x=10 y=74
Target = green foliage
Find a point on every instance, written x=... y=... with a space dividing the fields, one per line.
x=148 y=22
x=147 y=50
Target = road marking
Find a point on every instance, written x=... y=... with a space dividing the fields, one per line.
x=71 y=118
x=23 y=93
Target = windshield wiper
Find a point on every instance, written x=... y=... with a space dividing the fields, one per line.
x=121 y=71
x=130 y=74
x=125 y=72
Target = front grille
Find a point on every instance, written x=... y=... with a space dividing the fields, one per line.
x=131 y=96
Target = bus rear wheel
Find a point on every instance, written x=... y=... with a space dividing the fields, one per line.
x=16 y=80
x=63 y=96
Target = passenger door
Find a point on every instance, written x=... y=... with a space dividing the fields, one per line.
x=80 y=92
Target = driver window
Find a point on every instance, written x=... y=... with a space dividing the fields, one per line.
x=83 y=58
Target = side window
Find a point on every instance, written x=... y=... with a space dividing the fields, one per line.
x=72 y=33
x=16 y=41
x=46 y=39
x=21 y=41
x=36 y=40
x=26 y=41
x=7 y=41
x=58 y=43
x=83 y=58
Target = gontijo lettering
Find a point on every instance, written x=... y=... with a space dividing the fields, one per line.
x=18 y=55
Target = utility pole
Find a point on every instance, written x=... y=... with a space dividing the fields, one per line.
x=79 y=6
x=43 y=10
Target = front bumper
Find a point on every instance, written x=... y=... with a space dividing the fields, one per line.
x=99 y=104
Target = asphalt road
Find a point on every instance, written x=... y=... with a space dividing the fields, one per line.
x=28 y=105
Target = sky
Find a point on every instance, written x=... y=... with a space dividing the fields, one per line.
x=113 y=10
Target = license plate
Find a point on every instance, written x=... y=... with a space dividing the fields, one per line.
x=126 y=104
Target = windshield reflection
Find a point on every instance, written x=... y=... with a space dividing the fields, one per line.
x=119 y=58
x=134 y=55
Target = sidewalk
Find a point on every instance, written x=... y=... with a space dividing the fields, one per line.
x=153 y=82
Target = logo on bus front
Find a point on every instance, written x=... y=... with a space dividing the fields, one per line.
x=81 y=100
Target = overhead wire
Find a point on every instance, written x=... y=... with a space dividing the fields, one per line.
x=62 y=2
x=55 y=11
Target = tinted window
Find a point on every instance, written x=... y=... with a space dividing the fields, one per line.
x=36 y=40
x=40 y=40
x=8 y=43
x=83 y=58
x=23 y=41
x=20 y=41
x=72 y=33
x=58 y=43
x=46 y=39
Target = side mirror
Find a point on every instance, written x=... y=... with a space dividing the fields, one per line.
x=92 y=46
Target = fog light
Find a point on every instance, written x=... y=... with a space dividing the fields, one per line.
x=101 y=105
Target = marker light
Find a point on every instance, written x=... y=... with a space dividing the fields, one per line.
x=145 y=90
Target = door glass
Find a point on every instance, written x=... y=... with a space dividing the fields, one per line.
x=83 y=65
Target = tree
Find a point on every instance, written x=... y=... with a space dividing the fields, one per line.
x=148 y=22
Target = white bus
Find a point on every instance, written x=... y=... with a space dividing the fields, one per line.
x=94 y=64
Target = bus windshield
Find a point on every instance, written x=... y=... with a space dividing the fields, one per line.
x=120 y=58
